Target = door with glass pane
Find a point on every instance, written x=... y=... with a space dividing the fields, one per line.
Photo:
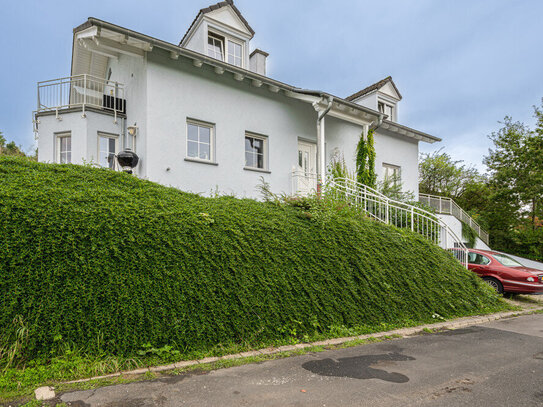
x=107 y=148
x=306 y=173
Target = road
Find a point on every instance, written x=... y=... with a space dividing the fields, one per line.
x=494 y=364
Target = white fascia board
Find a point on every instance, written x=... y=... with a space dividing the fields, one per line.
x=225 y=29
x=408 y=132
x=87 y=33
x=348 y=118
x=89 y=45
x=111 y=45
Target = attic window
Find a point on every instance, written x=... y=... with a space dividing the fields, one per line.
x=386 y=109
x=234 y=53
x=215 y=47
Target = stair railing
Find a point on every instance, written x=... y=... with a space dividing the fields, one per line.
x=400 y=214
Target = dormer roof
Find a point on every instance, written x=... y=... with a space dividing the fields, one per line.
x=374 y=87
x=206 y=10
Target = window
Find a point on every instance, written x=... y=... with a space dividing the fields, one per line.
x=107 y=148
x=392 y=174
x=215 y=47
x=386 y=109
x=476 y=258
x=200 y=141
x=255 y=151
x=64 y=148
x=507 y=261
x=234 y=53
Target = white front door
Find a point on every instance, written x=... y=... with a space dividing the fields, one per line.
x=306 y=171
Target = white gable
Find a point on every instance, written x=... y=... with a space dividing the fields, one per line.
x=227 y=16
x=389 y=90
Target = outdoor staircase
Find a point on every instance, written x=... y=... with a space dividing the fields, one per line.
x=399 y=214
x=447 y=206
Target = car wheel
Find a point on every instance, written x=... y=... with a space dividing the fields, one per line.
x=495 y=284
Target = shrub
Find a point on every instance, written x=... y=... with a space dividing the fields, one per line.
x=102 y=260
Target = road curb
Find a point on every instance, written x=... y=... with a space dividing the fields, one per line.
x=402 y=332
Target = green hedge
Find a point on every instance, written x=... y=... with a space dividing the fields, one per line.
x=105 y=261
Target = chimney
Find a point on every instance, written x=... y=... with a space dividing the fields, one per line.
x=257 y=61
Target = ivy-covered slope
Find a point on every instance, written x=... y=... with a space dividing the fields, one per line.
x=103 y=260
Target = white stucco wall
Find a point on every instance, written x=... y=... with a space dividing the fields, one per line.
x=456 y=227
x=399 y=151
x=84 y=133
x=178 y=91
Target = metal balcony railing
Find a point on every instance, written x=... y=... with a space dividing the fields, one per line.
x=81 y=91
x=447 y=206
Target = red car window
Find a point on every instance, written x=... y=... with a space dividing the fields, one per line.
x=477 y=258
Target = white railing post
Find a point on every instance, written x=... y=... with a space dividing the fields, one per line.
x=84 y=92
x=412 y=219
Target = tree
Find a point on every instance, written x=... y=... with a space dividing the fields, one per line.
x=11 y=148
x=516 y=165
x=365 y=160
x=440 y=175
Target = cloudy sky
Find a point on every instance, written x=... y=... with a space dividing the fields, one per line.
x=460 y=65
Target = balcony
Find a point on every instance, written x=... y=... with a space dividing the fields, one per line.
x=81 y=92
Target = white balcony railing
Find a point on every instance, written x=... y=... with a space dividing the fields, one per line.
x=81 y=91
x=447 y=206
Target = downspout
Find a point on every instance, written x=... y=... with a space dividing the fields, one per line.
x=321 y=162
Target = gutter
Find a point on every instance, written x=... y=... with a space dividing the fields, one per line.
x=245 y=73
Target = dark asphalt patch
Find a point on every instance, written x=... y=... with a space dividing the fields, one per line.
x=360 y=367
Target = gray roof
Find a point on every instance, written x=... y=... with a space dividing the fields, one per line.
x=216 y=7
x=375 y=86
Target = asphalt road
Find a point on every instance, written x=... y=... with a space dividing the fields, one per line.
x=495 y=364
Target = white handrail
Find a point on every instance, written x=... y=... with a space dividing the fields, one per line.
x=400 y=214
x=448 y=206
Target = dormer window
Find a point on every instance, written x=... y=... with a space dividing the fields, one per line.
x=224 y=49
x=386 y=109
x=234 y=53
x=215 y=47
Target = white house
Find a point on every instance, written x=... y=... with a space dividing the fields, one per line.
x=204 y=116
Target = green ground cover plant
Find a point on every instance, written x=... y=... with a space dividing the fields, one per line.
x=101 y=266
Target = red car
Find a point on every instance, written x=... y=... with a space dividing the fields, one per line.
x=505 y=274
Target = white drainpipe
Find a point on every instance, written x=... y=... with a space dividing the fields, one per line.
x=321 y=157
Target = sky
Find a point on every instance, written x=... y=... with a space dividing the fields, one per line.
x=461 y=66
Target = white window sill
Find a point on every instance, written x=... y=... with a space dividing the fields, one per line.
x=257 y=170
x=198 y=160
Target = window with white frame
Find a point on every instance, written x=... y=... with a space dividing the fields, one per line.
x=107 y=148
x=64 y=148
x=200 y=140
x=256 y=151
x=215 y=46
x=392 y=174
x=386 y=109
x=234 y=53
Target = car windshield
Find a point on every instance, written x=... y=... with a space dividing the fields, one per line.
x=507 y=261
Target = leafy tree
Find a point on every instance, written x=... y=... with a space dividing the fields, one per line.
x=516 y=165
x=365 y=160
x=439 y=174
x=11 y=148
